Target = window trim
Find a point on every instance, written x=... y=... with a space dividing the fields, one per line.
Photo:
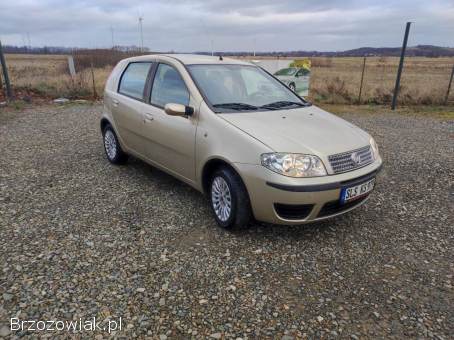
x=152 y=77
x=143 y=99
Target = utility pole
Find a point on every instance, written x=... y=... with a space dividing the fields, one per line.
x=29 y=41
x=141 y=33
x=112 y=36
x=24 y=43
x=9 y=92
x=401 y=66
x=212 y=50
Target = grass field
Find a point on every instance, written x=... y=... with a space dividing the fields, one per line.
x=424 y=80
x=333 y=80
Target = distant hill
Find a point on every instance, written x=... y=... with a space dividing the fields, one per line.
x=413 y=51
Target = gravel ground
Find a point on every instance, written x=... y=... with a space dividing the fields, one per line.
x=81 y=238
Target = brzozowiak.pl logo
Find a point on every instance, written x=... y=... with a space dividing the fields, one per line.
x=73 y=326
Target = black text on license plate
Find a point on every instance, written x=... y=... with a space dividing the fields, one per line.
x=356 y=191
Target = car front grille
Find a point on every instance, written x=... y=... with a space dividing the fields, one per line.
x=350 y=160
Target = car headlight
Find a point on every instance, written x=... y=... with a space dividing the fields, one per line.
x=294 y=164
x=374 y=147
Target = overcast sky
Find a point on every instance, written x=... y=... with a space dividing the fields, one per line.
x=233 y=25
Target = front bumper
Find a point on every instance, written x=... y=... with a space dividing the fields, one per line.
x=318 y=196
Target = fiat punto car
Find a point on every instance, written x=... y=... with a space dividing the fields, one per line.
x=234 y=132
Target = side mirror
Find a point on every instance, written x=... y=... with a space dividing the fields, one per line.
x=178 y=110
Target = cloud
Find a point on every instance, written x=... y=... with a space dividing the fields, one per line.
x=234 y=25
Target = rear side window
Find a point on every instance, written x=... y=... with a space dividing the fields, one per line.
x=132 y=82
x=168 y=87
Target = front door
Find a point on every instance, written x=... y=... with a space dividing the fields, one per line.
x=170 y=139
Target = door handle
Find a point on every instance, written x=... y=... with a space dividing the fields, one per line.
x=115 y=102
x=148 y=117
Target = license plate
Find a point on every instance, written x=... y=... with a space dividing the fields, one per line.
x=357 y=191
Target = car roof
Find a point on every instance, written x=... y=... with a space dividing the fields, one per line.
x=190 y=59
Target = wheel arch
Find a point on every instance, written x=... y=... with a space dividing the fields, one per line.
x=103 y=123
x=210 y=167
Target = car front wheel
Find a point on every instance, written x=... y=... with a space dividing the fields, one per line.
x=229 y=199
x=112 y=147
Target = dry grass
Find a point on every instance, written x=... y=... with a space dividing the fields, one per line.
x=424 y=80
x=333 y=80
x=48 y=76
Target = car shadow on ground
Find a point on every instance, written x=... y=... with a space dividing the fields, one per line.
x=164 y=182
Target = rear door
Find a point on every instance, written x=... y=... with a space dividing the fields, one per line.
x=129 y=103
x=170 y=139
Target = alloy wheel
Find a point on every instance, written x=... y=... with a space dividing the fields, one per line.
x=221 y=198
x=110 y=144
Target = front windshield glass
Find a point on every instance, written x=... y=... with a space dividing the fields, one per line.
x=286 y=72
x=230 y=88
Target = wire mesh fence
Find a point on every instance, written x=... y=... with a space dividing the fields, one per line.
x=333 y=80
x=424 y=80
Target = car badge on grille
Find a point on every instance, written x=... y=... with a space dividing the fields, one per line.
x=356 y=158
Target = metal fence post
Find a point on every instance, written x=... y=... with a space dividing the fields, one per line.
x=95 y=95
x=449 y=85
x=9 y=92
x=362 y=80
x=401 y=66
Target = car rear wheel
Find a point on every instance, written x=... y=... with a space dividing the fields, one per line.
x=229 y=199
x=292 y=87
x=112 y=147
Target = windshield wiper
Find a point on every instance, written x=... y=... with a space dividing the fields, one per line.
x=281 y=104
x=236 y=106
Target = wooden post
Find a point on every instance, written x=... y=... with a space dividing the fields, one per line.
x=401 y=66
x=95 y=95
x=449 y=85
x=9 y=92
x=362 y=80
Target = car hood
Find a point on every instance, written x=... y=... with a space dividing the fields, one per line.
x=307 y=130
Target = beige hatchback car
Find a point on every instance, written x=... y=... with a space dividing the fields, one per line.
x=233 y=131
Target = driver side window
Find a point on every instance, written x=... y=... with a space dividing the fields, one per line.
x=168 y=87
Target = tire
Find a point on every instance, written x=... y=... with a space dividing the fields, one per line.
x=292 y=87
x=227 y=186
x=114 y=152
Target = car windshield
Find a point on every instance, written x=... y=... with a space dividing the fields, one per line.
x=231 y=88
x=286 y=71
